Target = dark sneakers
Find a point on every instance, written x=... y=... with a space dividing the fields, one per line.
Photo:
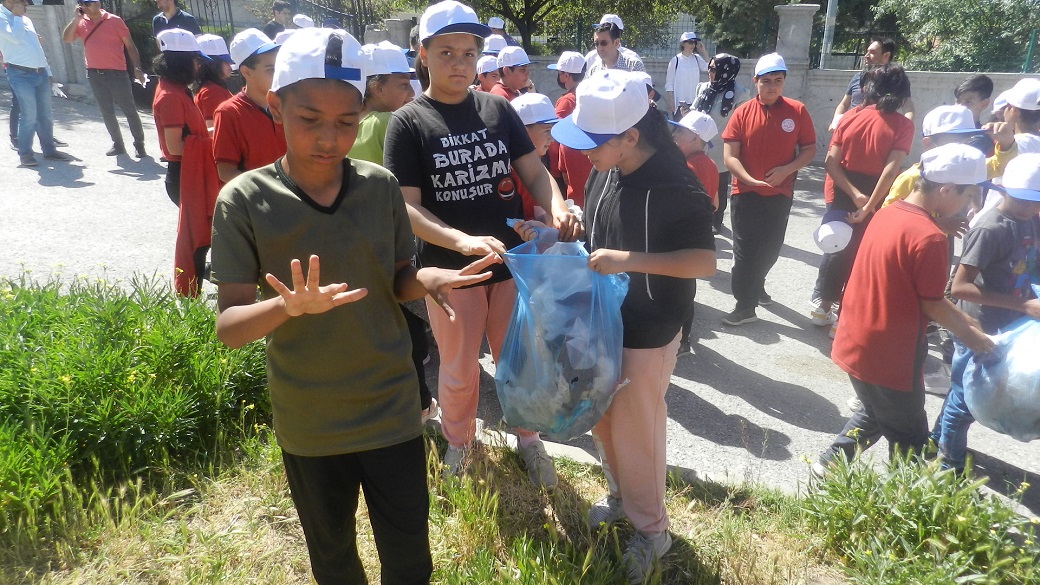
x=764 y=300
x=139 y=151
x=27 y=160
x=59 y=156
x=740 y=317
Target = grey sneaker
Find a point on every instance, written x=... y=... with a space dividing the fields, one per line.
x=740 y=316
x=27 y=160
x=606 y=511
x=539 y=466
x=643 y=552
x=455 y=460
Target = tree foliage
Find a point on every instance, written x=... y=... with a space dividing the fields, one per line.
x=954 y=35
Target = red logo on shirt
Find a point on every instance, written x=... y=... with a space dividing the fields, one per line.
x=506 y=189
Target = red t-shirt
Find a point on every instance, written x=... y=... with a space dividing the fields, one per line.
x=901 y=262
x=245 y=135
x=503 y=91
x=565 y=105
x=768 y=137
x=866 y=137
x=575 y=168
x=173 y=107
x=210 y=96
x=104 y=49
x=707 y=173
x=524 y=194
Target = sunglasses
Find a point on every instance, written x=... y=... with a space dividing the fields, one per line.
x=604 y=43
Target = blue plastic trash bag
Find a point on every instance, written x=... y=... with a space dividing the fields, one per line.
x=560 y=361
x=1002 y=389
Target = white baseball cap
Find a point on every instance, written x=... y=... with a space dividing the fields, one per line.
x=303 y=56
x=534 y=108
x=955 y=163
x=496 y=22
x=178 y=40
x=449 y=17
x=303 y=21
x=608 y=103
x=248 y=43
x=384 y=58
x=834 y=233
x=1021 y=177
x=700 y=124
x=689 y=36
x=569 y=62
x=1025 y=94
x=949 y=120
x=612 y=19
x=770 y=63
x=493 y=44
x=1000 y=102
x=214 y=46
x=280 y=38
x=513 y=57
x=487 y=64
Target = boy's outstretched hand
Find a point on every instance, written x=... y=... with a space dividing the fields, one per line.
x=307 y=296
x=439 y=282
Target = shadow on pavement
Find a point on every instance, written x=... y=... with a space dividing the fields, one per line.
x=145 y=169
x=1004 y=478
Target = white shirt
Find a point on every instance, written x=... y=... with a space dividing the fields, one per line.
x=1027 y=143
x=19 y=42
x=628 y=60
x=684 y=73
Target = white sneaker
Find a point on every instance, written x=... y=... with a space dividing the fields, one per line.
x=643 y=552
x=938 y=382
x=540 y=467
x=818 y=470
x=432 y=412
x=455 y=460
x=606 y=511
x=854 y=404
x=822 y=318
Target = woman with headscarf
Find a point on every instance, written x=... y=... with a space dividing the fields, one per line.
x=717 y=97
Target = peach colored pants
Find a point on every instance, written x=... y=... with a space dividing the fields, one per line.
x=631 y=436
x=479 y=311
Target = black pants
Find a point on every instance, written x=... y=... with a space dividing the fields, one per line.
x=724 y=184
x=687 y=327
x=836 y=268
x=325 y=492
x=759 y=227
x=420 y=349
x=111 y=87
x=173 y=181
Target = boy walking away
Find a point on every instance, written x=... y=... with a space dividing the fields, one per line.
x=693 y=134
x=514 y=71
x=343 y=389
x=245 y=136
x=565 y=163
x=768 y=140
x=897 y=284
x=1001 y=258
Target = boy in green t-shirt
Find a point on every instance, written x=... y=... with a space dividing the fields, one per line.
x=343 y=389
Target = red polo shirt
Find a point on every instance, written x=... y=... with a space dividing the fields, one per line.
x=245 y=135
x=104 y=48
x=768 y=137
x=707 y=173
x=173 y=107
x=565 y=105
x=504 y=91
x=210 y=97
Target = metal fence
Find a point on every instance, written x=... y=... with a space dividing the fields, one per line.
x=848 y=47
x=351 y=15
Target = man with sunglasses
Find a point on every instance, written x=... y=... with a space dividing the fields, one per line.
x=608 y=53
x=30 y=79
x=104 y=37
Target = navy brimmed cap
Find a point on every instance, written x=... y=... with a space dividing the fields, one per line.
x=306 y=56
x=449 y=17
x=534 y=108
x=250 y=42
x=608 y=103
x=215 y=46
x=178 y=40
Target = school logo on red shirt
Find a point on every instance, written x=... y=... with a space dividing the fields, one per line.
x=787 y=125
x=506 y=189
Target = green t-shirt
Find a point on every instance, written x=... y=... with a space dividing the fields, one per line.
x=370 y=137
x=342 y=381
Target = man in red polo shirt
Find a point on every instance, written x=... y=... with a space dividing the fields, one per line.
x=104 y=37
x=514 y=69
x=245 y=137
x=766 y=142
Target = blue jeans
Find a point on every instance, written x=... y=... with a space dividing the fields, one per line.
x=33 y=91
x=951 y=427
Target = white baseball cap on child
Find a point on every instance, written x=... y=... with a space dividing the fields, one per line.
x=280 y=38
x=493 y=44
x=569 y=62
x=689 y=36
x=534 y=108
x=215 y=47
x=496 y=22
x=700 y=124
x=612 y=19
x=248 y=43
x=1021 y=177
x=449 y=17
x=770 y=63
x=513 y=57
x=306 y=56
x=609 y=102
x=949 y=120
x=384 y=58
x=487 y=64
x=303 y=21
x=178 y=40
x=955 y=163
x=1024 y=95
x=1000 y=102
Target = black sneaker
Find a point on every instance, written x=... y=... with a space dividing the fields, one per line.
x=59 y=156
x=740 y=317
x=116 y=150
x=14 y=143
x=764 y=300
x=684 y=348
x=139 y=151
x=27 y=160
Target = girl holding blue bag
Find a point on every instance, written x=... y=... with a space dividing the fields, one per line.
x=648 y=216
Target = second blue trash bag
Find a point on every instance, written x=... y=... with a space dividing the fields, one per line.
x=560 y=361
x=1002 y=389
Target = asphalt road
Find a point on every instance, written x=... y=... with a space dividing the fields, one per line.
x=752 y=403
